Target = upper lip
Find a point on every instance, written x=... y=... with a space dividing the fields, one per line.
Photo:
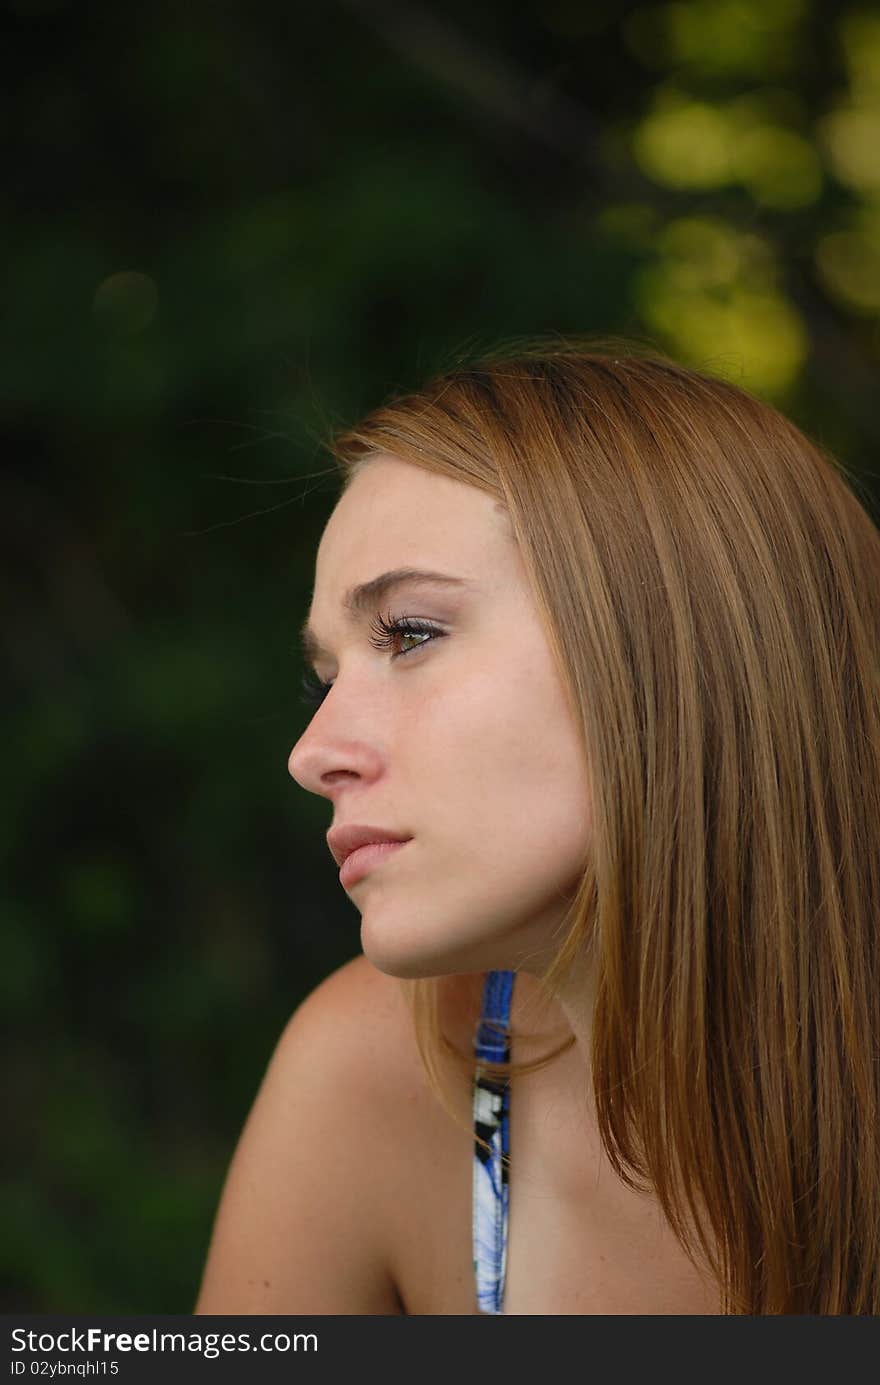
x=342 y=841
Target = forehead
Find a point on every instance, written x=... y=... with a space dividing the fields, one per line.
x=395 y=515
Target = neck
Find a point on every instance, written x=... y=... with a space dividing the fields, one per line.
x=571 y=1006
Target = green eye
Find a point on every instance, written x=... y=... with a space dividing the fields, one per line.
x=384 y=633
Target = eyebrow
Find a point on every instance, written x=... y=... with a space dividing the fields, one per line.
x=358 y=600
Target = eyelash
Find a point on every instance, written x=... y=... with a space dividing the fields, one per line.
x=384 y=630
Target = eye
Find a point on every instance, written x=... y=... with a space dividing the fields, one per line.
x=384 y=632
x=313 y=690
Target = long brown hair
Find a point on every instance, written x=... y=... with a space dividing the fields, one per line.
x=710 y=587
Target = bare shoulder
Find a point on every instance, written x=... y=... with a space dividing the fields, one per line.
x=306 y=1222
x=355 y=1011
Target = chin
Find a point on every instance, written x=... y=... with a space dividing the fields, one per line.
x=411 y=958
x=406 y=963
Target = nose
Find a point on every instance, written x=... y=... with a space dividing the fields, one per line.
x=307 y=761
x=330 y=754
x=293 y=762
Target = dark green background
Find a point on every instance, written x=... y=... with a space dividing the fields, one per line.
x=228 y=229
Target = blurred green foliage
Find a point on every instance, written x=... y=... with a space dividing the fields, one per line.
x=233 y=228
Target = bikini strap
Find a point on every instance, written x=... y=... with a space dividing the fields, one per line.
x=492 y=1124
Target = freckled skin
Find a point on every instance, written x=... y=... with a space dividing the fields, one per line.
x=467 y=743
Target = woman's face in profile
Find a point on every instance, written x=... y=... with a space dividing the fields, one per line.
x=460 y=739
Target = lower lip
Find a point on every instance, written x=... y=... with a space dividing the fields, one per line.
x=359 y=862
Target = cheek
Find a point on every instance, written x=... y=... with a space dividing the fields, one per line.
x=508 y=765
x=548 y=787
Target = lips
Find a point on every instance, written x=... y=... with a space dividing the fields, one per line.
x=342 y=841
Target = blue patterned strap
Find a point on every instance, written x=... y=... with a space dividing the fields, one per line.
x=492 y=1123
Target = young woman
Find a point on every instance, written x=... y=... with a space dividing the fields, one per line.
x=597 y=641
